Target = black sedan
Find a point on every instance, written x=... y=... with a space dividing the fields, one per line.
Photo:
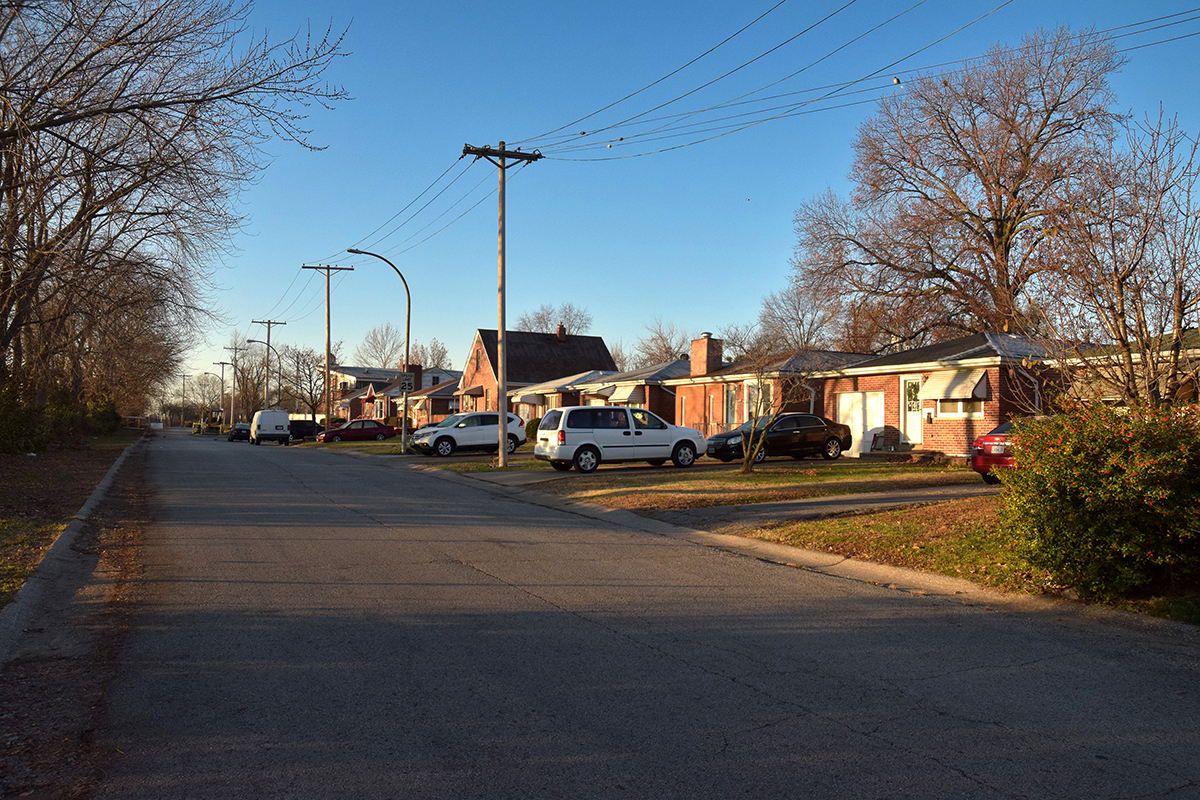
x=795 y=435
x=239 y=432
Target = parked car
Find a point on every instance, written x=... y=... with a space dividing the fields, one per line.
x=360 y=430
x=790 y=434
x=270 y=426
x=993 y=450
x=305 y=429
x=586 y=436
x=239 y=431
x=475 y=430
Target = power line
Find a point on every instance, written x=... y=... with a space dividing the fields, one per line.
x=652 y=84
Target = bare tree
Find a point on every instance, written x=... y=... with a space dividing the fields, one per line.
x=383 y=348
x=125 y=140
x=664 y=341
x=1130 y=292
x=304 y=374
x=620 y=356
x=547 y=318
x=431 y=356
x=959 y=178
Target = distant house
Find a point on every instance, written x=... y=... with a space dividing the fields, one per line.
x=646 y=387
x=532 y=402
x=431 y=405
x=532 y=358
x=348 y=380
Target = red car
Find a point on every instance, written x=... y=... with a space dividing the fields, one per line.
x=993 y=450
x=357 y=431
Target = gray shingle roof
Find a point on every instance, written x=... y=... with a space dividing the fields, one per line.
x=541 y=357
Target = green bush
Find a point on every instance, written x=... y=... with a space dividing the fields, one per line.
x=531 y=428
x=22 y=429
x=1106 y=499
x=102 y=416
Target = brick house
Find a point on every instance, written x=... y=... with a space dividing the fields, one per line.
x=532 y=358
x=938 y=397
x=431 y=405
x=715 y=396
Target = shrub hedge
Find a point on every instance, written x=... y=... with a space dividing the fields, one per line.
x=1107 y=499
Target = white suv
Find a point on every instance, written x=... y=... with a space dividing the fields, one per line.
x=584 y=436
x=478 y=430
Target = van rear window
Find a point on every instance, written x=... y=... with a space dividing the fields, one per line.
x=550 y=421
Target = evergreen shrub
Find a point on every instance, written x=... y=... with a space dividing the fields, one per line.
x=1107 y=499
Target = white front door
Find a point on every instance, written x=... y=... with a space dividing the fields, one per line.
x=910 y=410
x=863 y=413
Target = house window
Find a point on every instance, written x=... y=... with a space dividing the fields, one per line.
x=967 y=409
x=730 y=402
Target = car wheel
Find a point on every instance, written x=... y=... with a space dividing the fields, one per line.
x=335 y=438
x=513 y=444
x=725 y=459
x=656 y=462
x=283 y=442
x=684 y=455
x=833 y=449
x=587 y=459
x=379 y=437
x=561 y=466
x=444 y=446
x=254 y=441
x=760 y=456
x=990 y=479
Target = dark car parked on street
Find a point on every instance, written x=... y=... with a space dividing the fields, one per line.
x=790 y=434
x=304 y=429
x=240 y=431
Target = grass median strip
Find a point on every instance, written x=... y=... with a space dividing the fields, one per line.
x=675 y=490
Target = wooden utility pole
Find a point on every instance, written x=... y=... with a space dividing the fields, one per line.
x=497 y=156
x=328 y=389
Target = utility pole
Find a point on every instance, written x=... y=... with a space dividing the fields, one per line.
x=267 y=361
x=328 y=389
x=497 y=156
x=233 y=393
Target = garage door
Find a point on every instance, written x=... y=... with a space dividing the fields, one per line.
x=863 y=412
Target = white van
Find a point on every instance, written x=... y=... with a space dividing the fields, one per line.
x=269 y=426
x=584 y=436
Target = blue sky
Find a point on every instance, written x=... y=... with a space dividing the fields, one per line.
x=695 y=235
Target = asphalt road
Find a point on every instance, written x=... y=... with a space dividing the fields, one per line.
x=325 y=626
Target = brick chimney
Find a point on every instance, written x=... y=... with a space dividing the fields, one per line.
x=561 y=333
x=706 y=354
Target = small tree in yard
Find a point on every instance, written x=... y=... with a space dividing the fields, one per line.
x=1105 y=498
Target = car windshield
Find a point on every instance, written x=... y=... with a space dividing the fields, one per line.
x=1002 y=428
x=450 y=421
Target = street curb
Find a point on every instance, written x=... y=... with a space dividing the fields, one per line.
x=900 y=579
x=14 y=617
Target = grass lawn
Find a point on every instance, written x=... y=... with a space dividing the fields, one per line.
x=39 y=495
x=711 y=484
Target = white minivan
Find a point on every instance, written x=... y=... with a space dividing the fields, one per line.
x=585 y=436
x=271 y=426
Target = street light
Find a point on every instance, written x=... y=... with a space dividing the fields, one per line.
x=407 y=319
x=223 y=365
x=267 y=397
